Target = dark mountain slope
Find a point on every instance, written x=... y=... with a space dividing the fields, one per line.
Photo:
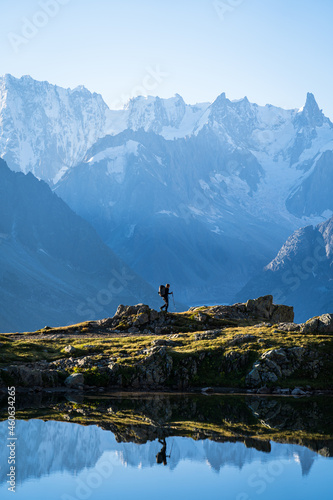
x=54 y=268
x=301 y=274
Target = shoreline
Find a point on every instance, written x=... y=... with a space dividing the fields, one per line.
x=251 y=348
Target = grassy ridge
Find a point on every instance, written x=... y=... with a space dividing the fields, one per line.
x=220 y=359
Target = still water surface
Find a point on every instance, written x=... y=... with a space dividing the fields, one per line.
x=66 y=461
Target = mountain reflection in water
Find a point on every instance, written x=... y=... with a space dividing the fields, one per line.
x=143 y=432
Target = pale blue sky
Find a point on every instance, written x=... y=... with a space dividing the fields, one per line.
x=273 y=51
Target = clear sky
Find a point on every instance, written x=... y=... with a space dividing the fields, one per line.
x=273 y=51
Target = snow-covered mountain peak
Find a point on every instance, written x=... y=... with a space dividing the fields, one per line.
x=310 y=115
x=153 y=113
x=47 y=129
x=82 y=89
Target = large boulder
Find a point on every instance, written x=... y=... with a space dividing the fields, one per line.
x=74 y=380
x=261 y=309
x=319 y=324
x=274 y=365
x=136 y=316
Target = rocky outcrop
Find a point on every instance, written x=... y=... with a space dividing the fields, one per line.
x=278 y=364
x=261 y=308
x=135 y=319
x=30 y=376
x=321 y=324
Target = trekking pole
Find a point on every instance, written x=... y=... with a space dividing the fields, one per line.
x=174 y=305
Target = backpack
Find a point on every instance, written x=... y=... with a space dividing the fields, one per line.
x=161 y=291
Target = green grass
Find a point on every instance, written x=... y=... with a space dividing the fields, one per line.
x=127 y=351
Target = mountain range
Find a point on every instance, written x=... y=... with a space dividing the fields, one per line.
x=202 y=196
x=51 y=447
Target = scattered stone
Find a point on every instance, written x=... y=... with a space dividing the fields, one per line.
x=242 y=339
x=253 y=378
x=263 y=390
x=298 y=392
x=285 y=391
x=133 y=329
x=85 y=362
x=70 y=349
x=74 y=380
x=141 y=319
x=288 y=327
x=210 y=334
x=164 y=342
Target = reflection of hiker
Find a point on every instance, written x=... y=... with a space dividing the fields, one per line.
x=164 y=293
x=161 y=457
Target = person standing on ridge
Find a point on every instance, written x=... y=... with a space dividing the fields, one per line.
x=164 y=293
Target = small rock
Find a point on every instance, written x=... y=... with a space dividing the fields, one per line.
x=263 y=390
x=86 y=361
x=133 y=329
x=298 y=392
x=285 y=391
x=209 y=334
x=70 y=349
x=288 y=327
x=141 y=319
x=154 y=315
x=242 y=339
x=253 y=378
x=74 y=380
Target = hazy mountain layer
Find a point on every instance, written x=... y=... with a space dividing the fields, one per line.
x=54 y=268
x=301 y=274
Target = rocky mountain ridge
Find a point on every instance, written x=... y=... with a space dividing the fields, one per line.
x=301 y=273
x=142 y=349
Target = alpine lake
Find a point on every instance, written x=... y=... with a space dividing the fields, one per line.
x=169 y=446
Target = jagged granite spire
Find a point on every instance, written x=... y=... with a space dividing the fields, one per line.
x=310 y=114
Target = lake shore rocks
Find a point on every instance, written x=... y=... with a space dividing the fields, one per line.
x=234 y=343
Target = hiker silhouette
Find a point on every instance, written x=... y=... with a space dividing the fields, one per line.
x=164 y=293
